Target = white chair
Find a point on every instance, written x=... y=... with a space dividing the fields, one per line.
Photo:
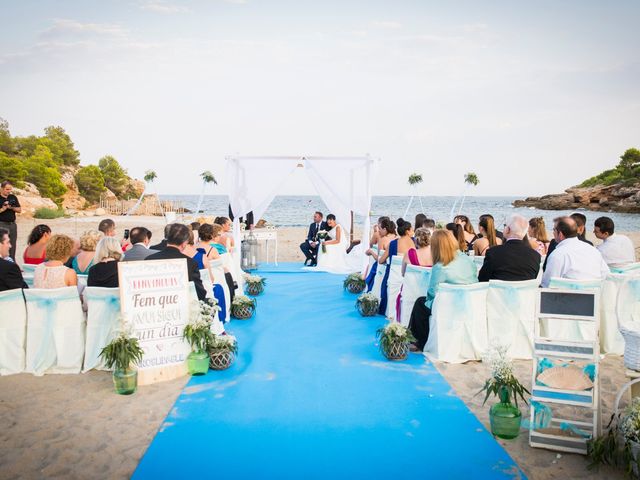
x=103 y=322
x=414 y=285
x=13 y=325
x=458 y=325
x=372 y=260
x=628 y=303
x=55 y=331
x=569 y=329
x=479 y=261
x=219 y=279
x=632 y=268
x=377 y=281
x=611 y=340
x=27 y=273
x=511 y=315
x=394 y=284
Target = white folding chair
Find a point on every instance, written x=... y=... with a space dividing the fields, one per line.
x=13 y=325
x=414 y=285
x=394 y=284
x=511 y=315
x=55 y=331
x=570 y=330
x=103 y=322
x=458 y=325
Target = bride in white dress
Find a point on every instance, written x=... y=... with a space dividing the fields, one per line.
x=335 y=259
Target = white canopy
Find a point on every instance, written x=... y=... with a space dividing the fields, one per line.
x=345 y=184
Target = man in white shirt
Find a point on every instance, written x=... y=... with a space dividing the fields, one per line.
x=615 y=248
x=572 y=258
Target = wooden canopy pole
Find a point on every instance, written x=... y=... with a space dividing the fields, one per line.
x=351 y=232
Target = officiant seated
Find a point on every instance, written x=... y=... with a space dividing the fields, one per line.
x=310 y=246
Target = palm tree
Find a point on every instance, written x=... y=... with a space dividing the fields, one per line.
x=149 y=177
x=470 y=179
x=207 y=178
x=414 y=180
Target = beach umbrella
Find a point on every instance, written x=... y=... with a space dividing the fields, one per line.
x=207 y=178
x=470 y=179
x=414 y=180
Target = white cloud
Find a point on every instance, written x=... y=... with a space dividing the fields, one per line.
x=65 y=27
x=386 y=24
x=236 y=2
x=159 y=6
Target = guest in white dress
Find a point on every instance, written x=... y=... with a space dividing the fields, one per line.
x=53 y=273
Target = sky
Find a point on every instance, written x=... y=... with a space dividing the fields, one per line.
x=531 y=96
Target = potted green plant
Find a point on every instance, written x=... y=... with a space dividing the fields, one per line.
x=504 y=416
x=620 y=446
x=354 y=283
x=222 y=351
x=367 y=304
x=394 y=341
x=122 y=354
x=254 y=284
x=197 y=333
x=243 y=307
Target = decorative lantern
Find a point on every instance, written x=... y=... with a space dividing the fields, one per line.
x=252 y=242
x=245 y=255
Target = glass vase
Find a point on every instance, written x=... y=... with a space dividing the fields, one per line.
x=198 y=363
x=125 y=382
x=505 y=417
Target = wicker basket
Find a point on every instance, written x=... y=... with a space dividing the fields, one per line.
x=367 y=309
x=221 y=359
x=631 y=348
x=254 y=289
x=395 y=350
x=353 y=287
x=242 y=312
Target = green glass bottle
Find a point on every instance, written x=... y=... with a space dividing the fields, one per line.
x=505 y=417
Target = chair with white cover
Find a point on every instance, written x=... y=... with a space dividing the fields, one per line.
x=630 y=268
x=414 y=285
x=377 y=281
x=55 y=331
x=372 y=260
x=511 y=315
x=27 y=273
x=569 y=329
x=394 y=284
x=479 y=261
x=458 y=324
x=13 y=325
x=233 y=266
x=628 y=304
x=103 y=323
x=217 y=269
x=611 y=340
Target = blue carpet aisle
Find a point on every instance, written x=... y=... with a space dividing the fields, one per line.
x=310 y=396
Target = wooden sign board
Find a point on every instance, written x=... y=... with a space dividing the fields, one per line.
x=154 y=300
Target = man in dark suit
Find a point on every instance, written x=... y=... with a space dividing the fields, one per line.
x=163 y=243
x=177 y=240
x=140 y=239
x=10 y=275
x=310 y=246
x=515 y=259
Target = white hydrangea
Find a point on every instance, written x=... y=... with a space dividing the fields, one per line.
x=630 y=424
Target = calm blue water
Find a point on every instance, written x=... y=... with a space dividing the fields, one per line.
x=289 y=210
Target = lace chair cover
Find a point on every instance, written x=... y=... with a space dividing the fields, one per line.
x=414 y=285
x=570 y=329
x=13 y=326
x=394 y=284
x=458 y=325
x=55 y=331
x=103 y=310
x=511 y=315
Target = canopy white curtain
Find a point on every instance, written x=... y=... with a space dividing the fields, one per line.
x=345 y=184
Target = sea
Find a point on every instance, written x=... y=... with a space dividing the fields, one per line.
x=297 y=210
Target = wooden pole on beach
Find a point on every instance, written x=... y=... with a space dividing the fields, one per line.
x=351 y=232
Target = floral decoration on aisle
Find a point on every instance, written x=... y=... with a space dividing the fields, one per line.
x=254 y=284
x=222 y=351
x=354 y=283
x=243 y=307
x=367 y=304
x=394 y=341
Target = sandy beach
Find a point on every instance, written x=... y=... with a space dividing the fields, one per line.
x=65 y=426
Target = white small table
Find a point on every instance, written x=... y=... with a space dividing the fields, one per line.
x=267 y=234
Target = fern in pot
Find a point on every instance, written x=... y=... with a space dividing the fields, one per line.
x=394 y=341
x=122 y=355
x=367 y=304
x=243 y=307
x=197 y=333
x=254 y=284
x=354 y=283
x=222 y=351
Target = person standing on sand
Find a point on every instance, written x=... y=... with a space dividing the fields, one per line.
x=9 y=206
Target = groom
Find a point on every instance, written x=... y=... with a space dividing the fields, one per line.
x=310 y=246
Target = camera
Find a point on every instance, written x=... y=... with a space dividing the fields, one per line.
x=126 y=234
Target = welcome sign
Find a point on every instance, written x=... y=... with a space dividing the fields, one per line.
x=154 y=298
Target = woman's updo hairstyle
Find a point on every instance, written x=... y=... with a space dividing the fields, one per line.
x=403 y=226
x=37 y=233
x=388 y=225
x=423 y=237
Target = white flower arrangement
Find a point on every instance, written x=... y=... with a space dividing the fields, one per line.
x=630 y=424
x=254 y=279
x=224 y=343
x=501 y=366
x=368 y=297
x=503 y=382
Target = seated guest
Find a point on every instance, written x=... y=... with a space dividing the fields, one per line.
x=450 y=265
x=140 y=238
x=10 y=274
x=53 y=273
x=458 y=233
x=420 y=256
x=615 y=249
x=537 y=234
x=469 y=233
x=177 y=240
x=572 y=258
x=163 y=244
x=403 y=243
x=429 y=224
x=83 y=261
x=310 y=246
x=107 y=227
x=227 y=237
x=581 y=222
x=210 y=235
x=514 y=260
x=419 y=220
x=36 y=251
x=579 y=219
x=489 y=239
x=104 y=272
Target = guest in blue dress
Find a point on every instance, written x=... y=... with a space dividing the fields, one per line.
x=389 y=243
